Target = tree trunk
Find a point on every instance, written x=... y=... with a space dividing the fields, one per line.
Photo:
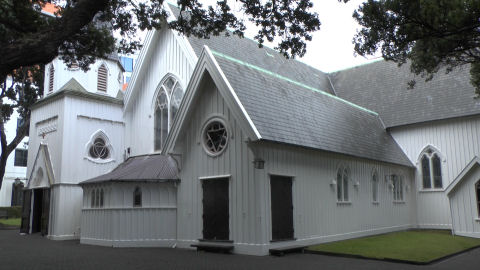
x=7 y=149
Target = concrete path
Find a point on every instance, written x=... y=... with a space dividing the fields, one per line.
x=36 y=252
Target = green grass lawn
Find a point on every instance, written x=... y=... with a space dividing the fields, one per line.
x=11 y=222
x=417 y=246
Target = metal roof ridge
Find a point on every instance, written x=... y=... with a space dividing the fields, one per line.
x=278 y=76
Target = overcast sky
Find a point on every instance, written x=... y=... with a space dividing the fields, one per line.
x=331 y=48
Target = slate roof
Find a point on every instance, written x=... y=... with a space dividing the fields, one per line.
x=289 y=112
x=382 y=87
x=155 y=167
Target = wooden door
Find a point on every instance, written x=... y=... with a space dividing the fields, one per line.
x=282 y=208
x=26 y=209
x=45 y=211
x=215 y=209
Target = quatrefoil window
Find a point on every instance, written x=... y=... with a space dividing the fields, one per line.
x=215 y=137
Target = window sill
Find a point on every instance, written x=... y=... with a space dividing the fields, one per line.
x=344 y=203
x=431 y=190
x=399 y=202
x=99 y=160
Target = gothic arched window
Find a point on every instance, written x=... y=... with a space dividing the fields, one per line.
x=431 y=166
x=102 y=78
x=477 y=191
x=375 y=187
x=167 y=102
x=342 y=184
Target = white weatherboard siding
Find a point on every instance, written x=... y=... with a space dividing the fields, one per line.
x=83 y=118
x=317 y=216
x=457 y=141
x=119 y=224
x=66 y=125
x=166 y=57
x=87 y=79
x=47 y=120
x=65 y=212
x=463 y=203
x=245 y=218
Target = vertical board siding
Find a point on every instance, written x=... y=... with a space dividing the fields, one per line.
x=317 y=215
x=83 y=118
x=118 y=223
x=167 y=57
x=457 y=142
x=65 y=211
x=235 y=161
x=463 y=202
x=53 y=139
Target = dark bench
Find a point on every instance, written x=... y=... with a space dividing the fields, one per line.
x=3 y=214
x=215 y=247
x=289 y=249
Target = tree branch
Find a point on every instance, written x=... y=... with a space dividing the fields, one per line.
x=21 y=133
x=42 y=47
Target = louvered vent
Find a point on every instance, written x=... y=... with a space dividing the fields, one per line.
x=74 y=65
x=50 y=78
x=102 y=78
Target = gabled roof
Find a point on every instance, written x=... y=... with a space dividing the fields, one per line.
x=475 y=162
x=283 y=110
x=287 y=111
x=383 y=87
x=146 y=168
x=43 y=163
x=74 y=88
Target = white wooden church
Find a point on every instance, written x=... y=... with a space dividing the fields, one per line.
x=218 y=142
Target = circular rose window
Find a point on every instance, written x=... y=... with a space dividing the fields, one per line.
x=215 y=137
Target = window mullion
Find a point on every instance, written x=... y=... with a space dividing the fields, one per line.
x=432 y=181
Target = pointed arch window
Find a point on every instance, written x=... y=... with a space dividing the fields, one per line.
x=477 y=191
x=167 y=103
x=431 y=169
x=51 y=74
x=102 y=78
x=375 y=187
x=137 y=197
x=342 y=184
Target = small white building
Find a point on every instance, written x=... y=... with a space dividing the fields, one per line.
x=218 y=142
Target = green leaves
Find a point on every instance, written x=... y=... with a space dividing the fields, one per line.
x=430 y=33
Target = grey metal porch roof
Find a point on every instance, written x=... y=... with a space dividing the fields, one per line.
x=154 y=167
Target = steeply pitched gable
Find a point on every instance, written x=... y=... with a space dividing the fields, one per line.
x=283 y=110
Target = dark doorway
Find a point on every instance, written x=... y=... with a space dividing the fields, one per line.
x=215 y=209
x=282 y=208
x=27 y=196
x=41 y=209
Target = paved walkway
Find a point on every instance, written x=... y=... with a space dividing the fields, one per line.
x=36 y=252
